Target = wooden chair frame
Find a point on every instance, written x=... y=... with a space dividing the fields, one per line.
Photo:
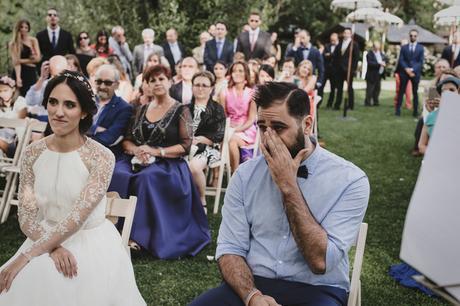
x=354 y=297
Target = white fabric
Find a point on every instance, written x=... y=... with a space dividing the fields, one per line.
x=57 y=191
x=50 y=33
x=187 y=93
x=345 y=44
x=379 y=59
x=175 y=52
x=455 y=50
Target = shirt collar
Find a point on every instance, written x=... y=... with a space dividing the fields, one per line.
x=55 y=30
x=256 y=31
x=312 y=161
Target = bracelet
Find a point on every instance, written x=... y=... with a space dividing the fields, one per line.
x=250 y=295
x=162 y=152
x=27 y=256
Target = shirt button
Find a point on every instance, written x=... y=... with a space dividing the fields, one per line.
x=280 y=262
x=284 y=237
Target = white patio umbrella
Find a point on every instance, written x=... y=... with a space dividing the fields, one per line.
x=353 y=5
x=374 y=14
x=449 y=2
x=449 y=16
x=453 y=12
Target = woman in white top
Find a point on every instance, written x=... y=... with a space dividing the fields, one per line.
x=11 y=106
x=72 y=255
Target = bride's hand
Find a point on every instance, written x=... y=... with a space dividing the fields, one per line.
x=9 y=273
x=64 y=261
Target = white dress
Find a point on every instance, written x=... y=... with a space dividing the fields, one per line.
x=62 y=202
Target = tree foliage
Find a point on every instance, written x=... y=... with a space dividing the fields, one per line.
x=189 y=17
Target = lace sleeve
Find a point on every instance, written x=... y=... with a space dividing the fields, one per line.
x=100 y=163
x=185 y=128
x=27 y=206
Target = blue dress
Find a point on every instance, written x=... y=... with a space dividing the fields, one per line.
x=169 y=220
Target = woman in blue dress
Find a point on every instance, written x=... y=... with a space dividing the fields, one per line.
x=169 y=220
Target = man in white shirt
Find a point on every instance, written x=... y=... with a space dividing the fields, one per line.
x=451 y=52
x=53 y=40
x=141 y=52
x=173 y=50
x=255 y=43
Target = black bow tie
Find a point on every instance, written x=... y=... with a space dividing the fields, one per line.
x=302 y=172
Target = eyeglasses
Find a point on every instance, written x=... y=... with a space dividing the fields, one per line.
x=107 y=83
x=201 y=86
x=83 y=37
x=52 y=15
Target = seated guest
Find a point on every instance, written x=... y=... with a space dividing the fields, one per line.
x=451 y=84
x=208 y=129
x=34 y=96
x=101 y=46
x=270 y=60
x=112 y=118
x=266 y=74
x=286 y=231
x=84 y=52
x=169 y=221
x=254 y=66
x=125 y=88
x=307 y=80
x=73 y=64
x=220 y=71
x=182 y=91
x=241 y=110
x=13 y=106
x=92 y=67
x=152 y=60
x=288 y=72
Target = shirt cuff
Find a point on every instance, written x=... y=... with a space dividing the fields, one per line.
x=229 y=249
x=333 y=255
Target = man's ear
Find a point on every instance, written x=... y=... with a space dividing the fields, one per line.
x=307 y=125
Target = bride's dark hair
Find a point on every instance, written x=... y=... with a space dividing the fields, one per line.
x=80 y=86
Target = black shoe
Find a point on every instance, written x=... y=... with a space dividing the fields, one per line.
x=336 y=108
x=367 y=104
x=376 y=104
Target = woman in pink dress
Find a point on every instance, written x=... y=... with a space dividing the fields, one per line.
x=241 y=110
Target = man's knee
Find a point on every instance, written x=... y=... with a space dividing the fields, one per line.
x=222 y=295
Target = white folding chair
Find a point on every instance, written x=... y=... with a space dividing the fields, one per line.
x=124 y=208
x=20 y=125
x=354 y=297
x=12 y=171
x=224 y=166
x=256 y=144
x=317 y=99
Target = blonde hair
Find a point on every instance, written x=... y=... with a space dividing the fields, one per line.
x=310 y=67
x=16 y=43
x=94 y=64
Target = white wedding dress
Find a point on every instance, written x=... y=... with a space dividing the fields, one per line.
x=62 y=202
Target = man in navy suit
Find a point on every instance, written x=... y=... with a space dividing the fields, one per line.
x=173 y=50
x=411 y=59
x=330 y=69
x=302 y=50
x=53 y=40
x=452 y=52
x=113 y=115
x=218 y=48
x=254 y=43
x=376 y=62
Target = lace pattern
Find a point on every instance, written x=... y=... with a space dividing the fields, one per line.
x=100 y=163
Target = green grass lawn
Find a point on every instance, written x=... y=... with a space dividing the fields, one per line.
x=377 y=142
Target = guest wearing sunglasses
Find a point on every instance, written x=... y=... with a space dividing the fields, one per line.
x=84 y=52
x=113 y=114
x=53 y=40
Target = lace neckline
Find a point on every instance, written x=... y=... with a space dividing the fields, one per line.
x=68 y=152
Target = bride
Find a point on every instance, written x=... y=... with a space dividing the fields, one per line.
x=72 y=254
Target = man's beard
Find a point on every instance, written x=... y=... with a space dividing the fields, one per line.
x=299 y=143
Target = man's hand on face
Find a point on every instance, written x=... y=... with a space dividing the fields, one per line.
x=283 y=167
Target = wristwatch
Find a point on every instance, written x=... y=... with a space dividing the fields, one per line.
x=162 y=152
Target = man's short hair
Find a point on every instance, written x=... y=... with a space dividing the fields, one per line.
x=221 y=22
x=289 y=60
x=254 y=13
x=305 y=31
x=116 y=73
x=413 y=30
x=347 y=28
x=116 y=29
x=296 y=99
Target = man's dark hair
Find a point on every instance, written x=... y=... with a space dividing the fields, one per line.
x=221 y=22
x=297 y=100
x=289 y=59
x=268 y=69
x=80 y=86
x=347 y=28
x=413 y=30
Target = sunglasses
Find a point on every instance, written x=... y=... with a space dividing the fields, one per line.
x=201 y=86
x=413 y=36
x=83 y=37
x=253 y=20
x=52 y=15
x=107 y=83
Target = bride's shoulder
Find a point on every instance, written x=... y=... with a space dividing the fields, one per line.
x=97 y=152
x=35 y=148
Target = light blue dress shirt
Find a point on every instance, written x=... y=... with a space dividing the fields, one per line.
x=255 y=225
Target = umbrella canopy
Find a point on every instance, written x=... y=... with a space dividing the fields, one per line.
x=396 y=34
x=450 y=12
x=445 y=21
x=374 y=14
x=355 y=4
x=449 y=2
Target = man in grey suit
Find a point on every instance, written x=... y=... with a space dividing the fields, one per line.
x=255 y=43
x=142 y=51
x=121 y=48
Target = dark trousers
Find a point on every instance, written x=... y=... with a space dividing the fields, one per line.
x=402 y=89
x=332 y=78
x=341 y=78
x=372 y=91
x=284 y=292
x=418 y=132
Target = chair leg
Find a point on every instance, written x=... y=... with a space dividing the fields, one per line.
x=4 y=200
x=219 y=188
x=9 y=197
x=358 y=300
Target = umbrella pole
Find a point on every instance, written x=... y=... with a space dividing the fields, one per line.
x=349 y=76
